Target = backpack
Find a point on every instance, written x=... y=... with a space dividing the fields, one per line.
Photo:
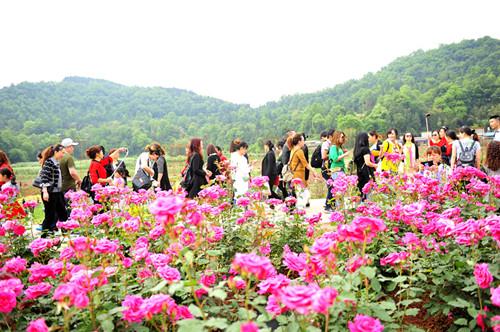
x=467 y=156
x=316 y=160
x=86 y=184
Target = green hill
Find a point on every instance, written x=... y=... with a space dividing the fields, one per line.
x=457 y=83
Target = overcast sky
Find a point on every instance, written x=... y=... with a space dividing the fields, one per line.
x=240 y=51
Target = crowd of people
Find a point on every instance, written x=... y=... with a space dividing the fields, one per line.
x=286 y=165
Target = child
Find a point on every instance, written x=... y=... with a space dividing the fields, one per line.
x=434 y=166
x=12 y=210
x=119 y=178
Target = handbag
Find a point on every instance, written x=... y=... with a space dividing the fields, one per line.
x=37 y=182
x=187 y=181
x=141 y=180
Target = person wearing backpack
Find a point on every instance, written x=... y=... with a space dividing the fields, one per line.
x=466 y=151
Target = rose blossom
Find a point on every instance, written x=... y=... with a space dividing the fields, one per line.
x=168 y=273
x=495 y=296
x=7 y=300
x=249 y=327
x=252 y=264
x=37 y=326
x=482 y=275
x=35 y=291
x=364 y=323
x=15 y=265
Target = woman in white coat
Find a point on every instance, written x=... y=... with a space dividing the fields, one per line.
x=240 y=169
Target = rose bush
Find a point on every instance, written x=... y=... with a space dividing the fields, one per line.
x=156 y=261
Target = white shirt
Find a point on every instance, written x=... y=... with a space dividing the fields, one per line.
x=240 y=173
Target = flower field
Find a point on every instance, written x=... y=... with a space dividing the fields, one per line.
x=419 y=255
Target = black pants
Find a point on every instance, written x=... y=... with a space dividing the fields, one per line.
x=55 y=210
x=329 y=196
x=271 y=187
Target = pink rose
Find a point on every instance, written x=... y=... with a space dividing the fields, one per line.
x=495 y=296
x=252 y=264
x=298 y=298
x=482 y=275
x=165 y=208
x=134 y=313
x=364 y=323
x=35 y=291
x=15 y=265
x=39 y=245
x=324 y=299
x=7 y=300
x=168 y=273
x=249 y=327
x=394 y=258
x=37 y=326
x=187 y=237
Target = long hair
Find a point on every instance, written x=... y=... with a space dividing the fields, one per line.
x=195 y=147
x=211 y=149
x=337 y=135
x=50 y=151
x=451 y=134
x=3 y=158
x=493 y=156
x=361 y=142
x=9 y=174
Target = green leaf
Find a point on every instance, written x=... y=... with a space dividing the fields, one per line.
x=376 y=285
x=107 y=325
x=189 y=325
x=412 y=311
x=409 y=301
x=422 y=276
x=172 y=289
x=399 y=279
x=212 y=252
x=312 y=329
x=116 y=310
x=189 y=257
x=387 y=305
x=159 y=287
x=459 y=303
x=219 y=323
x=218 y=294
x=368 y=271
x=461 y=321
x=195 y=310
x=190 y=283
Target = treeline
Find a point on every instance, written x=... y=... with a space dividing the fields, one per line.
x=458 y=84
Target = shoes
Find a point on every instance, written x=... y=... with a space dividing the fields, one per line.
x=328 y=209
x=39 y=228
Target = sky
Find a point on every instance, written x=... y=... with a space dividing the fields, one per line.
x=248 y=52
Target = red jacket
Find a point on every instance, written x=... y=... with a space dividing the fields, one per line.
x=97 y=170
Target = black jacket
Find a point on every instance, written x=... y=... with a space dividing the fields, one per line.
x=212 y=165
x=269 y=168
x=197 y=174
x=165 y=181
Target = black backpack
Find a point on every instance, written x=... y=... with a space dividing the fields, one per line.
x=316 y=160
x=86 y=184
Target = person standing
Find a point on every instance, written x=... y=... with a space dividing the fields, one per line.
x=495 y=126
x=365 y=168
x=410 y=154
x=298 y=161
x=240 y=169
x=70 y=178
x=196 y=172
x=213 y=161
x=160 y=169
x=375 y=145
x=52 y=196
x=326 y=138
x=492 y=163
x=391 y=152
x=466 y=151
x=5 y=163
x=269 y=168
x=338 y=154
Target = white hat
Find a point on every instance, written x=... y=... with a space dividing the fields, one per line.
x=67 y=142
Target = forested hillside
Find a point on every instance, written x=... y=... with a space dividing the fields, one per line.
x=458 y=84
